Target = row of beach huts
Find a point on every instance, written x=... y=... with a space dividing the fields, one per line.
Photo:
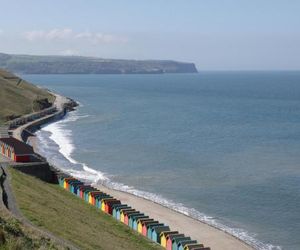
x=138 y=221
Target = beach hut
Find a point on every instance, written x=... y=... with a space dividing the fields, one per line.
x=72 y=184
x=16 y=150
x=123 y=211
x=86 y=193
x=61 y=179
x=92 y=196
x=108 y=205
x=127 y=213
x=183 y=243
x=156 y=231
x=140 y=224
x=115 y=207
x=119 y=210
x=103 y=200
x=149 y=228
x=135 y=221
x=195 y=246
x=132 y=217
x=145 y=224
x=163 y=237
x=98 y=199
x=176 y=241
x=169 y=239
x=66 y=182
x=82 y=189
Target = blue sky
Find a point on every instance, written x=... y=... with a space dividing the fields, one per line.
x=215 y=34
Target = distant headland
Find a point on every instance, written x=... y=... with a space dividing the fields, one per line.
x=31 y=64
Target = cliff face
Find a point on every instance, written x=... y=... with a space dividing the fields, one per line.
x=89 y=65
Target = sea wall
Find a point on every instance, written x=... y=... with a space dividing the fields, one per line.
x=41 y=170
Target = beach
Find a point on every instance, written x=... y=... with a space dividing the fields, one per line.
x=203 y=233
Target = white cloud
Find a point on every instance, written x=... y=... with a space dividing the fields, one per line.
x=69 y=34
x=96 y=38
x=48 y=35
x=69 y=52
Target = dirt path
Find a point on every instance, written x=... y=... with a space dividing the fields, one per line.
x=12 y=206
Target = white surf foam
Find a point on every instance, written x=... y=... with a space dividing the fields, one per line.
x=63 y=138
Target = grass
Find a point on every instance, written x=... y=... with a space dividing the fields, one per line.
x=18 y=97
x=14 y=235
x=65 y=215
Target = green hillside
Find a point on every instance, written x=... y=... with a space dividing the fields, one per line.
x=18 y=97
x=60 y=212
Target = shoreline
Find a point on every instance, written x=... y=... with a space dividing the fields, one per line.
x=203 y=232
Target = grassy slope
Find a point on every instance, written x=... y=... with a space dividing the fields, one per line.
x=69 y=217
x=15 y=235
x=17 y=96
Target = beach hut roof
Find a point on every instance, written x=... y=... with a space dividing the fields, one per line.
x=177 y=240
x=119 y=205
x=186 y=242
x=151 y=225
x=168 y=232
x=123 y=208
x=173 y=236
x=20 y=148
x=134 y=215
x=193 y=246
x=146 y=223
x=160 y=229
x=130 y=211
x=144 y=219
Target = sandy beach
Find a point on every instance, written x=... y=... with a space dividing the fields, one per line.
x=203 y=233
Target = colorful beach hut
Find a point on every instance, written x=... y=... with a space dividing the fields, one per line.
x=119 y=211
x=149 y=228
x=132 y=217
x=127 y=213
x=183 y=243
x=156 y=231
x=103 y=202
x=16 y=150
x=163 y=237
x=140 y=224
x=135 y=221
x=115 y=207
x=176 y=241
x=145 y=224
x=92 y=196
x=108 y=205
x=99 y=198
x=169 y=239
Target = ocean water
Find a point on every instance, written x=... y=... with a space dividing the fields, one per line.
x=222 y=147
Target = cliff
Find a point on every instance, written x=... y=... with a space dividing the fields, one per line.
x=27 y=64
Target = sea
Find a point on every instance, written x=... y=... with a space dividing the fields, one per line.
x=221 y=147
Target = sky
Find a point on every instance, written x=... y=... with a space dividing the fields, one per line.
x=214 y=34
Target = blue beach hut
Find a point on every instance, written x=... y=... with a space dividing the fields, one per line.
x=183 y=243
x=132 y=217
x=156 y=231
x=176 y=241
x=119 y=210
x=114 y=209
x=135 y=221
x=149 y=228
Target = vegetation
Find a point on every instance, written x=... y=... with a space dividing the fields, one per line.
x=18 y=97
x=15 y=235
x=65 y=215
x=89 y=65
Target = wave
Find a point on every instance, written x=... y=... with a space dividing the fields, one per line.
x=61 y=140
